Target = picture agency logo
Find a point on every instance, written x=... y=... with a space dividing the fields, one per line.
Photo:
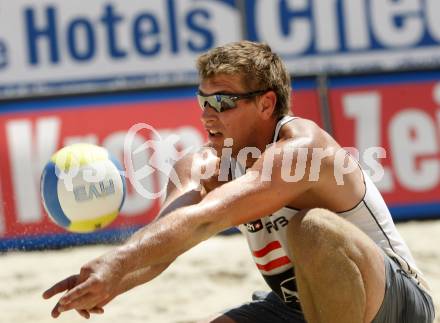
x=162 y=154
x=295 y=163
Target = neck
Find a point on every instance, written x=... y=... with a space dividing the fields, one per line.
x=261 y=139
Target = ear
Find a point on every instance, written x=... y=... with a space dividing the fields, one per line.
x=267 y=104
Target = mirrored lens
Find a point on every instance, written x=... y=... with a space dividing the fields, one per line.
x=219 y=102
x=227 y=102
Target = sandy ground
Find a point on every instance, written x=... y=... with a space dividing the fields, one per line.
x=213 y=276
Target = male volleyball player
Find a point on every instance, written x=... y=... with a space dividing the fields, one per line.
x=328 y=250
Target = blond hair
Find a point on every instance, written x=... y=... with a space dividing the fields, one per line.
x=258 y=66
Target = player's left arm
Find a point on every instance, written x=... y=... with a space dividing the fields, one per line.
x=261 y=191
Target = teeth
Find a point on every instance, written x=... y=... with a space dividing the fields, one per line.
x=212 y=132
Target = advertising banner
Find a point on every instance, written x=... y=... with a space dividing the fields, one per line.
x=50 y=47
x=60 y=46
x=31 y=131
x=399 y=114
x=29 y=138
x=346 y=36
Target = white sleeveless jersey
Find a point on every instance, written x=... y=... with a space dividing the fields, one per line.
x=267 y=237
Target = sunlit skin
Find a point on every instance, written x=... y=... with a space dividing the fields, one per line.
x=252 y=124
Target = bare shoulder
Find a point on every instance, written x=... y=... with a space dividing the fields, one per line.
x=306 y=133
x=304 y=154
x=327 y=167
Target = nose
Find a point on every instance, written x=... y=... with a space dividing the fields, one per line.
x=209 y=114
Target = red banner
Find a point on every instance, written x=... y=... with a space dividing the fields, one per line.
x=29 y=138
x=404 y=119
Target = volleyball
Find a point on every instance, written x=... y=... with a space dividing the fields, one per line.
x=82 y=188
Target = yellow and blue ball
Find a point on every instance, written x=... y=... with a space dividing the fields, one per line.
x=82 y=188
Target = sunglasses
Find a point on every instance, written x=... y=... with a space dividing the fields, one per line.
x=224 y=101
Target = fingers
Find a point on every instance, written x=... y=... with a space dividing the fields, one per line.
x=77 y=292
x=87 y=301
x=97 y=310
x=84 y=313
x=61 y=286
x=55 y=311
x=83 y=293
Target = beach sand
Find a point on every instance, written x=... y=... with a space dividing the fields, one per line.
x=211 y=277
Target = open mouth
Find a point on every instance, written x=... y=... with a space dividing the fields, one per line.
x=214 y=133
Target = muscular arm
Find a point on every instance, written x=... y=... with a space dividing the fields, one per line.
x=143 y=274
x=177 y=197
x=239 y=201
x=242 y=200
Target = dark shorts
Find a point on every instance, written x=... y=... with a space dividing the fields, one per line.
x=404 y=302
x=265 y=307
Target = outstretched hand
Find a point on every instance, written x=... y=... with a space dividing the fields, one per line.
x=88 y=291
